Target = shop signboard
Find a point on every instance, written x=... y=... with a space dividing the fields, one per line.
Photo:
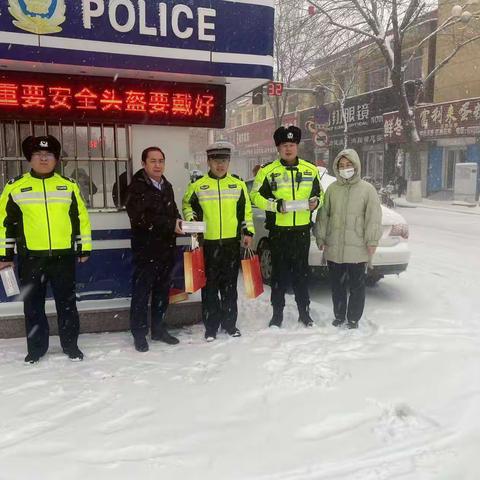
x=364 y=116
x=442 y=120
x=256 y=139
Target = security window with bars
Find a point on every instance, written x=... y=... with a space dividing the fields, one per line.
x=97 y=156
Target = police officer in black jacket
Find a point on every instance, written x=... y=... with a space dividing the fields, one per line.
x=155 y=222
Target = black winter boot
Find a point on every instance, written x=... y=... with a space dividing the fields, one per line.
x=141 y=344
x=338 y=322
x=304 y=316
x=164 y=336
x=32 y=358
x=74 y=354
x=277 y=317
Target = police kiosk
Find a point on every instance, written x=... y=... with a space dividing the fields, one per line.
x=108 y=79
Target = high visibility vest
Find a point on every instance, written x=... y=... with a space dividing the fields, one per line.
x=222 y=203
x=276 y=181
x=43 y=217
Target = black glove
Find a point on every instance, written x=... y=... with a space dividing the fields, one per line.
x=280 y=205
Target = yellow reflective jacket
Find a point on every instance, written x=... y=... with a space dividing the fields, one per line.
x=43 y=216
x=276 y=181
x=222 y=203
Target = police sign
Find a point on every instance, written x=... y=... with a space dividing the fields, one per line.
x=191 y=37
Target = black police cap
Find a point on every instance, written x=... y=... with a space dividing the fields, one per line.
x=291 y=134
x=34 y=144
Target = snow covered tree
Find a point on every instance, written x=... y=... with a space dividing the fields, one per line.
x=338 y=76
x=386 y=23
x=299 y=40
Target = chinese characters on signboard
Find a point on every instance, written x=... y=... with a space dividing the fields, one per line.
x=454 y=119
x=256 y=138
x=47 y=97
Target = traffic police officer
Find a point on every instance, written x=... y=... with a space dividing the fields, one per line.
x=44 y=214
x=288 y=178
x=221 y=200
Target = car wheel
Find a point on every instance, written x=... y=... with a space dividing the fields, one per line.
x=265 y=257
x=372 y=279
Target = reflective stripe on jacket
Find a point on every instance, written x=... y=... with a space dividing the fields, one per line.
x=222 y=203
x=43 y=216
x=277 y=180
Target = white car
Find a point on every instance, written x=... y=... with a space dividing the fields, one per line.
x=391 y=258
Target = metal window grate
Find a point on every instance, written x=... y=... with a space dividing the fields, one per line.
x=97 y=156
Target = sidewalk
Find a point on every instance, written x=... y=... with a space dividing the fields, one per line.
x=445 y=205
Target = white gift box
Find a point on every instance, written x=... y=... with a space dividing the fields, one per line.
x=193 y=227
x=9 y=281
x=296 y=205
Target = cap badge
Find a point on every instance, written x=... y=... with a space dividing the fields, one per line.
x=44 y=143
x=290 y=136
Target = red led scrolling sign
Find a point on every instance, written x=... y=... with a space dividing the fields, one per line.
x=56 y=98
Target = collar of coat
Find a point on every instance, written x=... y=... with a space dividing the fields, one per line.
x=34 y=174
x=211 y=175
x=285 y=164
x=142 y=176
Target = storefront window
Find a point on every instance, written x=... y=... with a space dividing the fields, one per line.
x=377 y=79
x=414 y=69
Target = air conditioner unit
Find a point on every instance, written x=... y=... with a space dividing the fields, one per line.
x=466 y=182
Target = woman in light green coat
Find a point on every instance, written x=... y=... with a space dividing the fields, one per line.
x=347 y=229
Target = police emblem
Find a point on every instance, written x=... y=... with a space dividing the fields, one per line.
x=38 y=16
x=290 y=136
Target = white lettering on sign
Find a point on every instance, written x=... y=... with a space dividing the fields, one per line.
x=181 y=20
x=162 y=13
x=112 y=15
x=203 y=25
x=176 y=12
x=144 y=30
x=89 y=13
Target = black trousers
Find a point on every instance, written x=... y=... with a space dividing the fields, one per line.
x=150 y=278
x=351 y=275
x=35 y=273
x=219 y=297
x=290 y=265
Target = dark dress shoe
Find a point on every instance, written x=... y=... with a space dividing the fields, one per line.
x=166 y=338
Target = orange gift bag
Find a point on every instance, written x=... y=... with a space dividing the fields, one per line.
x=252 y=275
x=175 y=295
x=194 y=268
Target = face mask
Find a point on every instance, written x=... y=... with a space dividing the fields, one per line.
x=347 y=173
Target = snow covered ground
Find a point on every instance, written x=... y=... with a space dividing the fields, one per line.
x=397 y=399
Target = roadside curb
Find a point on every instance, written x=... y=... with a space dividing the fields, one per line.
x=434 y=207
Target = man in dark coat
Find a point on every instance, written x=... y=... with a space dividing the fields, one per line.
x=155 y=222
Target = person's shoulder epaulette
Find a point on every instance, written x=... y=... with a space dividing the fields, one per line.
x=13 y=180
x=68 y=178
x=234 y=175
x=266 y=164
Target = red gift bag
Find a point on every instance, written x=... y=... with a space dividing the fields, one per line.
x=194 y=270
x=252 y=276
